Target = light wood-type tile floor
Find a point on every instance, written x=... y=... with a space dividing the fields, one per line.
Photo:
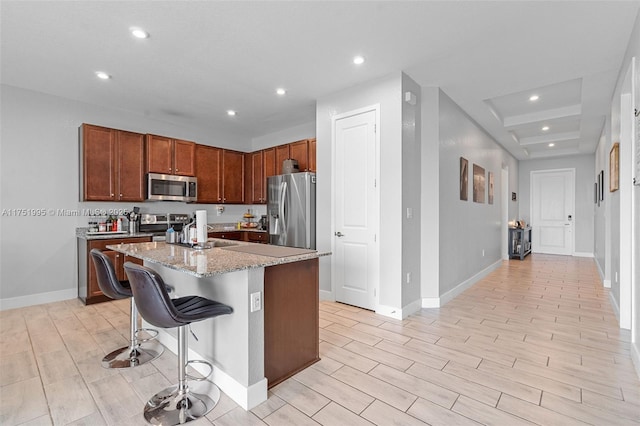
x=535 y=342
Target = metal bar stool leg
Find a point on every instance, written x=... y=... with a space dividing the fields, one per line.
x=139 y=351
x=180 y=404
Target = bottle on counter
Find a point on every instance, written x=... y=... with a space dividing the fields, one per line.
x=119 y=224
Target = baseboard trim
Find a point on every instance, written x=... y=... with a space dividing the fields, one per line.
x=437 y=302
x=38 y=299
x=246 y=397
x=389 y=311
x=583 y=254
x=327 y=295
x=635 y=357
x=614 y=304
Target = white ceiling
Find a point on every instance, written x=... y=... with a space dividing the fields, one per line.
x=204 y=57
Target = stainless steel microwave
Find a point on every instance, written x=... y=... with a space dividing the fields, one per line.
x=171 y=188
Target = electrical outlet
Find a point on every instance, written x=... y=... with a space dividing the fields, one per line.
x=256 y=302
x=482 y=252
x=409 y=213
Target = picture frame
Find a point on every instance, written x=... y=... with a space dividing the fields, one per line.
x=478 y=184
x=598 y=185
x=614 y=167
x=490 y=187
x=595 y=193
x=464 y=179
x=601 y=185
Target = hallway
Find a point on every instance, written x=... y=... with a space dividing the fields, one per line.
x=535 y=342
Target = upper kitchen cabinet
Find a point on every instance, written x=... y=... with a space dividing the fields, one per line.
x=312 y=155
x=170 y=156
x=208 y=167
x=112 y=164
x=282 y=153
x=299 y=151
x=232 y=177
x=269 y=162
x=259 y=166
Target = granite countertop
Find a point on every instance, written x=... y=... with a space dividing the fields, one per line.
x=226 y=227
x=216 y=260
x=85 y=234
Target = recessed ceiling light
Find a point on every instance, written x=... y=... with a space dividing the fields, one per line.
x=102 y=75
x=231 y=112
x=552 y=144
x=358 y=60
x=280 y=91
x=139 y=33
x=545 y=128
x=534 y=98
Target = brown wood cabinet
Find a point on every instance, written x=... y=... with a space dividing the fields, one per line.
x=312 y=155
x=291 y=299
x=170 y=156
x=226 y=235
x=112 y=164
x=299 y=151
x=88 y=289
x=269 y=163
x=255 y=237
x=208 y=172
x=232 y=177
x=254 y=176
x=282 y=153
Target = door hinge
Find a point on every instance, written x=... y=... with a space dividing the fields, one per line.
x=375 y=128
x=375 y=183
x=375 y=238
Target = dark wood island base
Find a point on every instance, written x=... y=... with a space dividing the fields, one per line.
x=291 y=335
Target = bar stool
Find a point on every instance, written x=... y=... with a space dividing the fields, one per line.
x=139 y=351
x=176 y=404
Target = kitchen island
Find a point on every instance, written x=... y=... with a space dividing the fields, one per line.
x=260 y=343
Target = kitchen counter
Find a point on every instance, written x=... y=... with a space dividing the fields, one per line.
x=260 y=344
x=216 y=260
x=85 y=234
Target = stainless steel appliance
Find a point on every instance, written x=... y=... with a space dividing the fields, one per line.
x=171 y=188
x=157 y=224
x=291 y=208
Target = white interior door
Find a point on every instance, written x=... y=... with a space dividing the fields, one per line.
x=552 y=211
x=355 y=259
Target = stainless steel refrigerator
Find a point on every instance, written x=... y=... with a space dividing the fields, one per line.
x=291 y=210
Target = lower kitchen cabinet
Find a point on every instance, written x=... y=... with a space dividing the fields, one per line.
x=248 y=236
x=227 y=235
x=88 y=289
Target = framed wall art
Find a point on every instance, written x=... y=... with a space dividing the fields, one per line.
x=478 y=184
x=490 y=187
x=601 y=178
x=614 y=167
x=464 y=179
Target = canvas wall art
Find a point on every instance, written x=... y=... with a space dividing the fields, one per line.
x=478 y=184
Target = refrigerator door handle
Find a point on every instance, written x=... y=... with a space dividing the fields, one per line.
x=283 y=213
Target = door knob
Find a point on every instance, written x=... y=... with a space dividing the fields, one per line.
x=338 y=234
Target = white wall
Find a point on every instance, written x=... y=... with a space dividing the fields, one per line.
x=430 y=200
x=467 y=228
x=40 y=170
x=387 y=93
x=411 y=196
x=292 y=134
x=585 y=207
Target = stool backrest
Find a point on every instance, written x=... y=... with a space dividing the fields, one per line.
x=107 y=277
x=151 y=296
